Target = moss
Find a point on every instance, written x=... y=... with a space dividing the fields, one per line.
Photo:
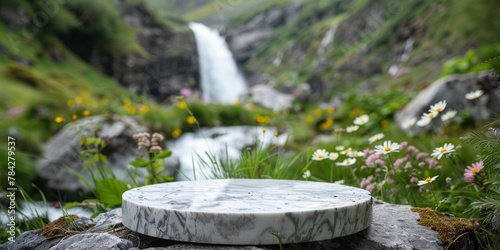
x=449 y=228
x=60 y=227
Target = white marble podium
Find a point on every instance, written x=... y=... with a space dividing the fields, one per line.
x=245 y=212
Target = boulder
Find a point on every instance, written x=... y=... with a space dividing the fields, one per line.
x=269 y=97
x=453 y=89
x=170 y=62
x=62 y=152
x=245 y=39
x=393 y=227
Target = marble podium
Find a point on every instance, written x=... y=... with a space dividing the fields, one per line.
x=245 y=212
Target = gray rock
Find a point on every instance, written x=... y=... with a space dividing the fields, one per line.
x=28 y=240
x=269 y=97
x=245 y=39
x=87 y=241
x=393 y=227
x=62 y=151
x=453 y=89
x=171 y=62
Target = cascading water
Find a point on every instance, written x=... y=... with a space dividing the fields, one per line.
x=220 y=79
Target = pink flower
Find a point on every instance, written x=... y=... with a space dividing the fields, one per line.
x=413 y=179
x=471 y=171
x=400 y=162
x=370 y=187
x=432 y=162
x=420 y=155
x=186 y=92
x=402 y=145
x=411 y=149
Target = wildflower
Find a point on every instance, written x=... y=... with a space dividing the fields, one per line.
x=424 y=121
x=474 y=94
x=86 y=112
x=143 y=109
x=439 y=152
x=448 y=115
x=74 y=117
x=71 y=103
x=347 y=162
x=155 y=149
x=157 y=137
x=176 y=133
x=249 y=106
x=191 y=120
x=427 y=180
x=339 y=148
x=346 y=151
x=186 y=92
x=430 y=115
x=387 y=147
x=330 y=110
x=318 y=112
x=306 y=174
x=370 y=187
x=471 y=171
x=361 y=120
x=59 y=119
x=351 y=129
x=376 y=137
x=310 y=119
x=127 y=102
x=438 y=107
x=319 y=154
x=131 y=110
x=181 y=105
x=353 y=153
x=448 y=180
x=276 y=134
x=333 y=156
x=408 y=123
x=78 y=100
x=264 y=130
x=413 y=179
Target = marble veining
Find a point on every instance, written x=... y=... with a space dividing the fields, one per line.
x=243 y=211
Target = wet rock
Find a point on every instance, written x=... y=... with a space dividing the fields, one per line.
x=93 y=241
x=61 y=152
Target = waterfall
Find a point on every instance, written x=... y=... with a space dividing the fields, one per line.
x=220 y=79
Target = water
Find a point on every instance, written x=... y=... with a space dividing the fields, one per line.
x=221 y=80
x=223 y=143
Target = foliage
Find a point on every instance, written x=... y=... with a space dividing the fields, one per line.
x=485 y=58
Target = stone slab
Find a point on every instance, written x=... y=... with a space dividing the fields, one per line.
x=245 y=212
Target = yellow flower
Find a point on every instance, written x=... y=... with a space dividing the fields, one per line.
x=143 y=109
x=78 y=100
x=176 y=133
x=86 y=112
x=263 y=130
x=330 y=110
x=310 y=119
x=191 y=120
x=127 y=102
x=59 y=119
x=131 y=110
x=276 y=134
x=249 y=105
x=318 y=112
x=71 y=103
x=95 y=105
x=74 y=117
x=181 y=105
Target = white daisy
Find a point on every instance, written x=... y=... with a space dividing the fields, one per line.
x=448 y=115
x=347 y=162
x=319 y=155
x=427 y=180
x=439 y=152
x=333 y=156
x=387 y=147
x=361 y=120
x=438 y=107
x=306 y=174
x=474 y=94
x=351 y=129
x=375 y=138
x=408 y=123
